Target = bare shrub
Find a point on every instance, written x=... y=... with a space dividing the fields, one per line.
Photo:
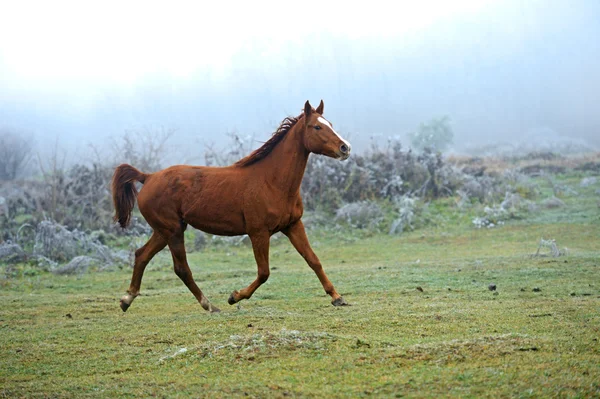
x=147 y=148
x=520 y=183
x=20 y=202
x=550 y=248
x=238 y=147
x=482 y=188
x=87 y=198
x=16 y=151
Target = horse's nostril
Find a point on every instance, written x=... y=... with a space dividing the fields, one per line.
x=344 y=149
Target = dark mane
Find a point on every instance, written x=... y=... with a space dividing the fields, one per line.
x=264 y=150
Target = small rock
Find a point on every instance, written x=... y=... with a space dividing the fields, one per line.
x=553 y=203
x=11 y=253
x=245 y=240
x=587 y=181
x=492 y=287
x=78 y=264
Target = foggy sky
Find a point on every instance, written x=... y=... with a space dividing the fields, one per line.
x=499 y=71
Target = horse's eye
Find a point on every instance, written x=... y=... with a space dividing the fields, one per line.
x=317 y=127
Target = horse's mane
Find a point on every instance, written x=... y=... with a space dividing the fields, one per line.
x=264 y=150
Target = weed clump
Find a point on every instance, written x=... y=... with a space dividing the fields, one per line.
x=549 y=248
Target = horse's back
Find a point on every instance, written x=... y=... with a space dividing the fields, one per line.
x=208 y=198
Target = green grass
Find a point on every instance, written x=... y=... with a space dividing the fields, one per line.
x=65 y=336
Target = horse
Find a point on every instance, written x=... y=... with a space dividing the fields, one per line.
x=259 y=195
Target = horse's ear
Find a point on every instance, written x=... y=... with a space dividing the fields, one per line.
x=320 y=108
x=307 y=108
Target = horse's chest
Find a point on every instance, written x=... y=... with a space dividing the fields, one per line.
x=283 y=214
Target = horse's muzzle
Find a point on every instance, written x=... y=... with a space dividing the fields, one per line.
x=344 y=151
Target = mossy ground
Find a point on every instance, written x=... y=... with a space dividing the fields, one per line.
x=65 y=336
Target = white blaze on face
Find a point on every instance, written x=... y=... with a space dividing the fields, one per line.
x=326 y=123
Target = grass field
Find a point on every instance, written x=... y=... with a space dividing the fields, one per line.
x=423 y=321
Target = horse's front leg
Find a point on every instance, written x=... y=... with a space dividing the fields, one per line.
x=260 y=246
x=297 y=236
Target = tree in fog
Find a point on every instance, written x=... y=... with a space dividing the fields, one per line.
x=145 y=148
x=16 y=151
x=435 y=135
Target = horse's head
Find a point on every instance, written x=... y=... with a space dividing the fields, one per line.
x=320 y=137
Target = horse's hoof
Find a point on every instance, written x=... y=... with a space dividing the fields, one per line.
x=126 y=301
x=340 y=302
x=231 y=299
x=206 y=305
x=124 y=305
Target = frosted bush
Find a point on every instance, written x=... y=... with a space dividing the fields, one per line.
x=464 y=200
x=393 y=187
x=511 y=201
x=483 y=188
x=405 y=208
x=363 y=214
x=493 y=216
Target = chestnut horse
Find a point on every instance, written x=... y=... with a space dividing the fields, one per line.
x=259 y=195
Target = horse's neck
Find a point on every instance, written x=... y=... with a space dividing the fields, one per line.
x=286 y=163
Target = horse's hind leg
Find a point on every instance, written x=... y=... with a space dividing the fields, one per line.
x=142 y=257
x=182 y=269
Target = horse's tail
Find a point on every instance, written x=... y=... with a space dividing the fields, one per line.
x=124 y=191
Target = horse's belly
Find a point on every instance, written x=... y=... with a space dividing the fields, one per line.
x=217 y=221
x=217 y=228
